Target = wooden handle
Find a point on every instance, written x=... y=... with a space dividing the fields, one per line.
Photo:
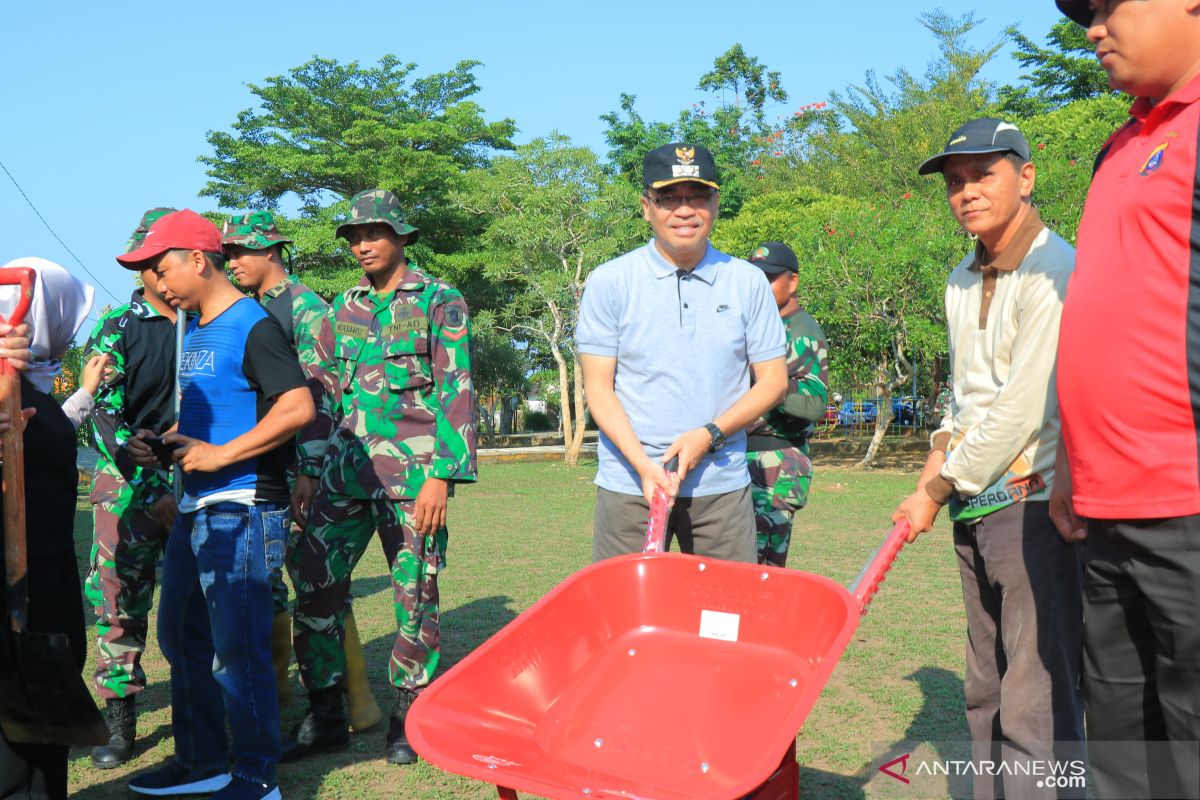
x=15 y=561
x=13 y=443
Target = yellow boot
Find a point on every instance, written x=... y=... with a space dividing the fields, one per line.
x=364 y=711
x=281 y=655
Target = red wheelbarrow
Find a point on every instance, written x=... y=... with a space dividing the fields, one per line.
x=661 y=676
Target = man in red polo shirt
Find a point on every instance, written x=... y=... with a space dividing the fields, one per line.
x=1129 y=394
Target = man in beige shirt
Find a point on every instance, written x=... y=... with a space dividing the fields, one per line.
x=992 y=462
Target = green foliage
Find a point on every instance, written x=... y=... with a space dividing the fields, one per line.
x=873 y=274
x=1062 y=73
x=329 y=129
x=553 y=214
x=1065 y=142
x=497 y=365
x=537 y=421
x=734 y=128
x=875 y=138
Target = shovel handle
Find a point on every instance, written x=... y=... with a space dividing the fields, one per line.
x=15 y=558
x=867 y=583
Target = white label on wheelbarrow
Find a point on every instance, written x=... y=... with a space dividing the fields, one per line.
x=719 y=625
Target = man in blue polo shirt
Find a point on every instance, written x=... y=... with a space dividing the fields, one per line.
x=243 y=398
x=669 y=337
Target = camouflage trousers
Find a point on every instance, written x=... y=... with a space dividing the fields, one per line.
x=338 y=532
x=779 y=482
x=126 y=547
x=279 y=587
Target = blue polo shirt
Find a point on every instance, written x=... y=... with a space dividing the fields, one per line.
x=684 y=343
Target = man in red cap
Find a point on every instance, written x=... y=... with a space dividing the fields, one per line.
x=243 y=398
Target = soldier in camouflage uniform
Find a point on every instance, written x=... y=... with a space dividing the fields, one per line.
x=404 y=434
x=777 y=443
x=254 y=251
x=133 y=507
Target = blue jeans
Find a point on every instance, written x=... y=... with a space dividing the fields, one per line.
x=214 y=627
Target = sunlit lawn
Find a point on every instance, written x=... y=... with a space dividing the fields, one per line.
x=527 y=526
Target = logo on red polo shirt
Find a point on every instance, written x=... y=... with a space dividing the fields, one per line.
x=1154 y=161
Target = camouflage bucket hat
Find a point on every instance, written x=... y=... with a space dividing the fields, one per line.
x=139 y=233
x=254 y=231
x=378 y=205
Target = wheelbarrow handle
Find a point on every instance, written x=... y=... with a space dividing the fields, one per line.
x=15 y=559
x=867 y=583
x=655 y=540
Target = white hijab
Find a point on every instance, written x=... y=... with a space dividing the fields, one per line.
x=60 y=305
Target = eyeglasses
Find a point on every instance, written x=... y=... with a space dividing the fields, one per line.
x=672 y=202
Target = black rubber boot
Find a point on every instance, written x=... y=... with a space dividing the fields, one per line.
x=122 y=730
x=398 y=750
x=323 y=729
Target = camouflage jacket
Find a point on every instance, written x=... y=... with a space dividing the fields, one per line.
x=808 y=373
x=140 y=343
x=406 y=409
x=305 y=318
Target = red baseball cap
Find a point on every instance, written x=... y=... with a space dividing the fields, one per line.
x=181 y=230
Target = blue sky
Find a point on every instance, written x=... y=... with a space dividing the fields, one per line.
x=106 y=106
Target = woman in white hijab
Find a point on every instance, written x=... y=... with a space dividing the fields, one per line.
x=60 y=305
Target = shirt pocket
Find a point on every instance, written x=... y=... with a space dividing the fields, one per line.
x=407 y=366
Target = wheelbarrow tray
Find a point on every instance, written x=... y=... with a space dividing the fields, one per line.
x=662 y=676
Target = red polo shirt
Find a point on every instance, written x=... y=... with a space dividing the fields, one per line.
x=1129 y=348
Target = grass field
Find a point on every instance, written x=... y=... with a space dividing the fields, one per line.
x=525 y=527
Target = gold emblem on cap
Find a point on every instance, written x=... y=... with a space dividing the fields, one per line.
x=685 y=154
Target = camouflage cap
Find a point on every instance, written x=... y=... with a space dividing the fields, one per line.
x=378 y=205
x=254 y=231
x=139 y=233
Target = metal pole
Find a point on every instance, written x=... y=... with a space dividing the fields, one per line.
x=180 y=329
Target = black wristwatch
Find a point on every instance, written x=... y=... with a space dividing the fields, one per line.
x=718 y=438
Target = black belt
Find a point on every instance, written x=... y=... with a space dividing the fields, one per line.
x=756 y=443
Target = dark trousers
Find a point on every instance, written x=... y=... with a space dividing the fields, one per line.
x=39 y=771
x=1024 y=638
x=1142 y=656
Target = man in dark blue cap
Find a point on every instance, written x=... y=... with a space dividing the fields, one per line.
x=668 y=336
x=992 y=462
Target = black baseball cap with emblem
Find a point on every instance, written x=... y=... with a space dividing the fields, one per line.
x=977 y=137
x=678 y=163
x=774 y=258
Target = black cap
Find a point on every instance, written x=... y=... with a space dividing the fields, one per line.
x=677 y=163
x=979 y=136
x=774 y=258
x=1079 y=11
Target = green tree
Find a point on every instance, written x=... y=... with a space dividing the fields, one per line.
x=734 y=128
x=1065 y=143
x=872 y=140
x=553 y=214
x=499 y=369
x=1061 y=73
x=873 y=275
x=327 y=130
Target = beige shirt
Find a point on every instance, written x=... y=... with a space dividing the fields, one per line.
x=1003 y=323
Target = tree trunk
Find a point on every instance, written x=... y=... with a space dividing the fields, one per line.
x=883 y=418
x=564 y=395
x=885 y=389
x=575 y=443
x=508 y=410
x=487 y=416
